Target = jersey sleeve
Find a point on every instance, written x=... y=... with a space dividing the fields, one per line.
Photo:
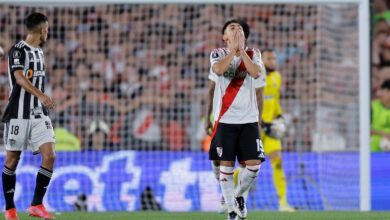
x=212 y=76
x=257 y=59
x=260 y=81
x=215 y=56
x=16 y=58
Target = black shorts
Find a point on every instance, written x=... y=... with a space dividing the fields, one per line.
x=237 y=140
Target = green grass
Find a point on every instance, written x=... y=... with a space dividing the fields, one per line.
x=266 y=215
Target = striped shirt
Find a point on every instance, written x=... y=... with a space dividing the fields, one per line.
x=31 y=61
x=235 y=100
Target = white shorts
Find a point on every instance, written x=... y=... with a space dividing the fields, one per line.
x=20 y=134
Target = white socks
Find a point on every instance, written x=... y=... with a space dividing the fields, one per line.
x=227 y=186
x=215 y=170
x=246 y=179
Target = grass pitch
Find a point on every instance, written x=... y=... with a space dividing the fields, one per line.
x=266 y=215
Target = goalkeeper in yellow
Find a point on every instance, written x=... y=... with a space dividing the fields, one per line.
x=273 y=127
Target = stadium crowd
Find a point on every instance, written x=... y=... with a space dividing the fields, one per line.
x=135 y=76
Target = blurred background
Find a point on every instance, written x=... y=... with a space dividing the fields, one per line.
x=130 y=83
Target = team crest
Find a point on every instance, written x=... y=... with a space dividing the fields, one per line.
x=219 y=151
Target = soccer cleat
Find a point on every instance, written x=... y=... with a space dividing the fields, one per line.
x=11 y=214
x=241 y=207
x=223 y=206
x=232 y=216
x=40 y=212
x=286 y=208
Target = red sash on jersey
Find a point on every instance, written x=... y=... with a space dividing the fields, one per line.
x=231 y=92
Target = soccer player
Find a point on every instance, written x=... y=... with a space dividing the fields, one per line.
x=26 y=116
x=272 y=123
x=237 y=72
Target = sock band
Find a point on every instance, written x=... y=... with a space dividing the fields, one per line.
x=45 y=172
x=8 y=171
x=226 y=173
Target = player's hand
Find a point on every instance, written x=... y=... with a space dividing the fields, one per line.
x=232 y=43
x=240 y=40
x=46 y=101
x=208 y=127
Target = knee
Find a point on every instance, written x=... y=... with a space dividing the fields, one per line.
x=49 y=157
x=12 y=161
x=253 y=169
x=276 y=162
x=253 y=163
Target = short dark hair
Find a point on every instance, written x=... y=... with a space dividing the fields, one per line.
x=270 y=50
x=33 y=20
x=240 y=21
x=386 y=84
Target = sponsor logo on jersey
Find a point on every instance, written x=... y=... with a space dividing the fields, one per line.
x=31 y=73
x=16 y=61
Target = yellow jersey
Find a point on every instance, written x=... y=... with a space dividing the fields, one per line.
x=271 y=101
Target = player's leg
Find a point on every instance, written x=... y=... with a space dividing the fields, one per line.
x=273 y=150
x=44 y=173
x=279 y=180
x=43 y=178
x=14 y=140
x=42 y=141
x=215 y=164
x=227 y=186
x=225 y=147
x=9 y=182
x=237 y=177
x=251 y=151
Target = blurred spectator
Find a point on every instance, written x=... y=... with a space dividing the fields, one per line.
x=65 y=140
x=98 y=133
x=142 y=68
x=81 y=203
x=148 y=200
x=381 y=10
x=380 y=119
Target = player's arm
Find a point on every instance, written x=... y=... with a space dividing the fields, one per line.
x=260 y=97
x=222 y=65
x=208 y=123
x=278 y=109
x=29 y=87
x=253 y=69
x=252 y=66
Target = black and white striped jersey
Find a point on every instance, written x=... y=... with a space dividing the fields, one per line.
x=31 y=61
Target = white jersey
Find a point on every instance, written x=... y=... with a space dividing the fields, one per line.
x=234 y=100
